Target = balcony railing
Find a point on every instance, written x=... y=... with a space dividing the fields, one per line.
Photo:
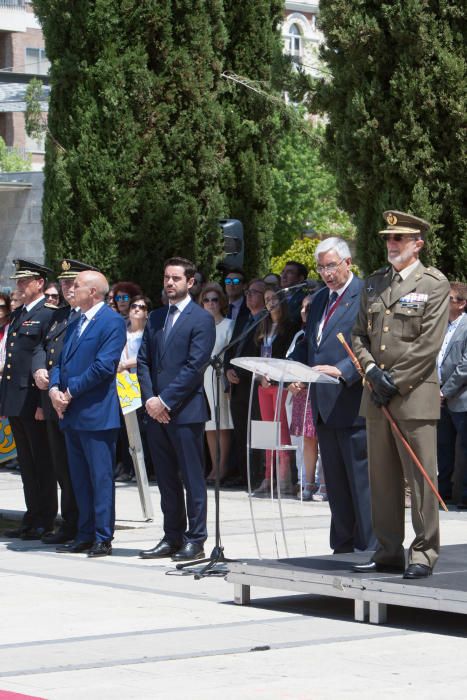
x=15 y=4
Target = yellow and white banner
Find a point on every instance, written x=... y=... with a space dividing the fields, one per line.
x=7 y=442
x=129 y=391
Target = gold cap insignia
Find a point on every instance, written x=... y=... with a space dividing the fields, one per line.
x=65 y=265
x=391 y=219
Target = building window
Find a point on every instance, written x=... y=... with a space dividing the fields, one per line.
x=36 y=62
x=295 y=40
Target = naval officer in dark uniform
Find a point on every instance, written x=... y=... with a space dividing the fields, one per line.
x=396 y=338
x=20 y=401
x=45 y=357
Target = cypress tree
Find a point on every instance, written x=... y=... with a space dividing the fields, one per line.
x=252 y=125
x=396 y=107
x=132 y=168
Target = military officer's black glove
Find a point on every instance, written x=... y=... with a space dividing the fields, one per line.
x=381 y=384
x=379 y=400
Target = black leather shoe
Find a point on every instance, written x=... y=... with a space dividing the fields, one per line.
x=373 y=567
x=190 y=550
x=234 y=482
x=417 y=571
x=343 y=550
x=161 y=550
x=58 y=537
x=15 y=533
x=35 y=533
x=100 y=549
x=74 y=547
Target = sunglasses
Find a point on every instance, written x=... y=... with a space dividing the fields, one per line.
x=143 y=307
x=122 y=297
x=51 y=296
x=455 y=299
x=398 y=237
x=235 y=280
x=214 y=300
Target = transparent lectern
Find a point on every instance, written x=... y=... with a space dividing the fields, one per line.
x=269 y=435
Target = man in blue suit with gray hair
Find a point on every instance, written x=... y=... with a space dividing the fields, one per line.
x=177 y=343
x=335 y=407
x=83 y=392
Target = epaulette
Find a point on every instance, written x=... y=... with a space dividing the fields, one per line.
x=382 y=271
x=433 y=272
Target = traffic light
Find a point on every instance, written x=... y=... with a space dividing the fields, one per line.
x=232 y=230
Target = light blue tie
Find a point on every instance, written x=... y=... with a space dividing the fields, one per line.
x=79 y=326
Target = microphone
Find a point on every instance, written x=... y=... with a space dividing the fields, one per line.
x=286 y=290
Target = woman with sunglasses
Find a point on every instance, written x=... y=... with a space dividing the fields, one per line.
x=139 y=307
x=273 y=337
x=53 y=294
x=214 y=300
x=123 y=295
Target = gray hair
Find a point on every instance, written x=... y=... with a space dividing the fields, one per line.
x=338 y=244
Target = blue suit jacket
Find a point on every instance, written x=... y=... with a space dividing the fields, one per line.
x=175 y=370
x=338 y=404
x=87 y=367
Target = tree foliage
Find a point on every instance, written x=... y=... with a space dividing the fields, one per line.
x=12 y=160
x=304 y=189
x=253 y=124
x=302 y=250
x=396 y=107
x=134 y=106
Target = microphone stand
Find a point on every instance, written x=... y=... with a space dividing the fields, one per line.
x=217 y=556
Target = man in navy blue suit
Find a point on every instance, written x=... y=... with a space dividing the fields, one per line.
x=84 y=394
x=177 y=343
x=335 y=407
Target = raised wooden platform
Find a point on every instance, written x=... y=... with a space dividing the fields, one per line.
x=332 y=576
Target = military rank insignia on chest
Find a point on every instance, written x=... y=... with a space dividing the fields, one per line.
x=28 y=324
x=413 y=300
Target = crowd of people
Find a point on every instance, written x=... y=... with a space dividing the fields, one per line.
x=62 y=343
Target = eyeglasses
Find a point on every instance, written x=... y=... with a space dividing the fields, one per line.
x=122 y=297
x=456 y=299
x=248 y=292
x=214 y=300
x=398 y=237
x=232 y=280
x=51 y=296
x=332 y=267
x=143 y=307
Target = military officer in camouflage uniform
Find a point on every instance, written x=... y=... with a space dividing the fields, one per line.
x=396 y=338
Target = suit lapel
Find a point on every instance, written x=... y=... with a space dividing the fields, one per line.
x=385 y=295
x=407 y=285
x=74 y=341
x=459 y=330
x=314 y=321
x=164 y=345
x=341 y=309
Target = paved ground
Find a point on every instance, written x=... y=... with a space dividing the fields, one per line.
x=121 y=627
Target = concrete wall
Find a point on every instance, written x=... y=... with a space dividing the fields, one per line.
x=20 y=222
